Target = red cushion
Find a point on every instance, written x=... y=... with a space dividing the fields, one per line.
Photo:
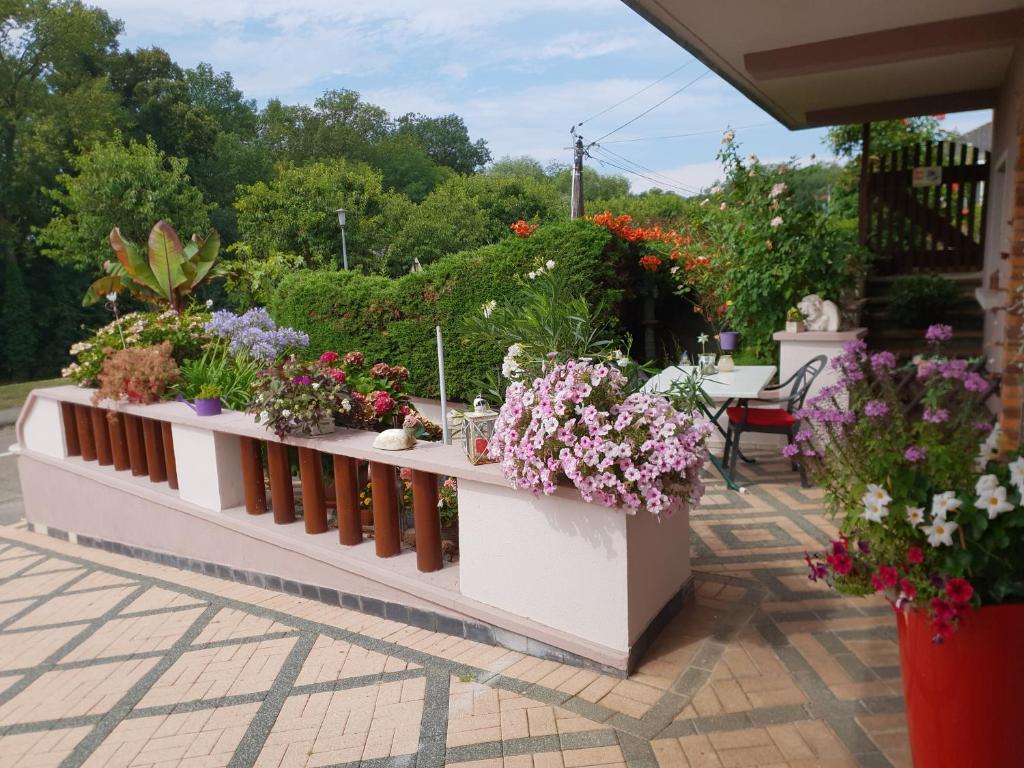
x=761 y=417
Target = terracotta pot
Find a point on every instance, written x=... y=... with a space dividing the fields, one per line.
x=963 y=695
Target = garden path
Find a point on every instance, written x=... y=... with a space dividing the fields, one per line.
x=107 y=660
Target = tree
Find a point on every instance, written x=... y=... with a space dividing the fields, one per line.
x=129 y=186
x=446 y=141
x=521 y=167
x=886 y=135
x=596 y=185
x=294 y=213
x=406 y=168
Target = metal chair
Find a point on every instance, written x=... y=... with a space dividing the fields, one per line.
x=772 y=421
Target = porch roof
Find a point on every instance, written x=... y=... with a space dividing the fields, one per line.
x=824 y=63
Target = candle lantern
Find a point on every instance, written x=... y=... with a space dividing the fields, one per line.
x=477 y=429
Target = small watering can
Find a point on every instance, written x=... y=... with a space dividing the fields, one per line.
x=206 y=406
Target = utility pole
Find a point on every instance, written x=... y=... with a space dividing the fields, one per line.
x=576 y=200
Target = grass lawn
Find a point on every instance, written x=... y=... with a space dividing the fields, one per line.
x=13 y=395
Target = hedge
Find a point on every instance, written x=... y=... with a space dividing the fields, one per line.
x=394 y=319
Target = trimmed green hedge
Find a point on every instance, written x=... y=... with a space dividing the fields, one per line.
x=394 y=319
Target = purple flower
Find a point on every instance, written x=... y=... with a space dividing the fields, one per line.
x=302 y=380
x=975 y=382
x=254 y=334
x=863 y=546
x=875 y=409
x=791 y=450
x=883 y=361
x=938 y=333
x=914 y=454
x=953 y=369
x=983 y=426
x=935 y=415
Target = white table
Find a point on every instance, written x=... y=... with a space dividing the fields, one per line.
x=745 y=382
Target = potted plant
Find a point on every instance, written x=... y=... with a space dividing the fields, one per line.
x=794 y=320
x=297 y=398
x=940 y=537
x=137 y=375
x=208 y=400
x=620 y=450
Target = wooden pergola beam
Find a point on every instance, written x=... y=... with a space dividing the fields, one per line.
x=899 y=108
x=937 y=38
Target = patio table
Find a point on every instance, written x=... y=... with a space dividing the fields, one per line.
x=745 y=382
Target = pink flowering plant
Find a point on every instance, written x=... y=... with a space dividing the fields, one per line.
x=300 y=398
x=920 y=522
x=577 y=422
x=379 y=398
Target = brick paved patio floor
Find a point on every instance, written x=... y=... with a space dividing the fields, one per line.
x=110 y=661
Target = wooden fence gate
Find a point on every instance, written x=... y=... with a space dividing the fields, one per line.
x=922 y=208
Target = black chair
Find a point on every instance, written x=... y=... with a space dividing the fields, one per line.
x=772 y=421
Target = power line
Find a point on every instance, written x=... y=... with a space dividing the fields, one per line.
x=651 y=174
x=660 y=182
x=687 y=135
x=647 y=111
x=634 y=95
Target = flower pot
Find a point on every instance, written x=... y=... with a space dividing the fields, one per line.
x=208 y=406
x=963 y=695
x=794 y=326
x=325 y=427
x=727 y=340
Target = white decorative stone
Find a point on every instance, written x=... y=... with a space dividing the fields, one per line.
x=394 y=440
x=819 y=314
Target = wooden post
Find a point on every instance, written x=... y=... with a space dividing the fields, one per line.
x=346 y=499
x=387 y=538
x=252 y=476
x=86 y=441
x=314 y=507
x=154 y=450
x=428 y=521
x=118 y=443
x=133 y=436
x=864 y=201
x=101 y=436
x=170 y=463
x=282 y=497
x=67 y=413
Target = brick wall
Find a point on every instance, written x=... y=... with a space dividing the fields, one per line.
x=1013 y=386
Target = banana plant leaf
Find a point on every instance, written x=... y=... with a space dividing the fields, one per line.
x=165 y=259
x=205 y=256
x=101 y=287
x=135 y=265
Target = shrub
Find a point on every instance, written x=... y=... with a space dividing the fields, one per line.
x=915 y=301
x=139 y=375
x=394 y=320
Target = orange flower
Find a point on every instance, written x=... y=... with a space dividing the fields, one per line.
x=522 y=229
x=650 y=262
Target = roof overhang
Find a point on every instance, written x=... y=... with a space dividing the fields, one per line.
x=811 y=63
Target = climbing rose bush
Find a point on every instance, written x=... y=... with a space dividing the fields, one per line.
x=619 y=450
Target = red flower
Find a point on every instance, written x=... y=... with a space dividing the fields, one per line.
x=908 y=589
x=328 y=357
x=354 y=358
x=876 y=583
x=888 y=575
x=522 y=229
x=840 y=562
x=959 y=591
x=650 y=262
x=915 y=555
x=942 y=609
x=943 y=629
x=337 y=374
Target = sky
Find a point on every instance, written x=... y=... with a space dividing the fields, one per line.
x=520 y=73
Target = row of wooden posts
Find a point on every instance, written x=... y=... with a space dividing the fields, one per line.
x=146 y=446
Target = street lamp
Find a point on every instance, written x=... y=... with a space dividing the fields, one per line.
x=344 y=249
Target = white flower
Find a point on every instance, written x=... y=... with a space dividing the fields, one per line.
x=994 y=502
x=776 y=222
x=985 y=484
x=753 y=158
x=550 y=264
x=112 y=296
x=209 y=303
x=1017 y=474
x=702 y=339
x=286 y=413
x=723 y=206
x=877 y=494
x=777 y=189
x=705 y=201
x=915 y=515
x=943 y=504
x=264 y=415
x=346 y=405
x=488 y=307
x=619 y=358
x=874 y=511
x=716 y=189
x=728 y=136
x=316 y=385
x=532 y=275
x=940 y=532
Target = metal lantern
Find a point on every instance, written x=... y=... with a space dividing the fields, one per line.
x=477 y=429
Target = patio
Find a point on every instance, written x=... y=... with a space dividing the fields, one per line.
x=107 y=660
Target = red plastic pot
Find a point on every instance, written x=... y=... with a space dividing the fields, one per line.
x=963 y=696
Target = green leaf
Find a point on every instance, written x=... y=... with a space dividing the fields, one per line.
x=131 y=260
x=100 y=288
x=165 y=259
x=205 y=256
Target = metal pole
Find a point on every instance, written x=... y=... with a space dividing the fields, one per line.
x=344 y=250
x=444 y=397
